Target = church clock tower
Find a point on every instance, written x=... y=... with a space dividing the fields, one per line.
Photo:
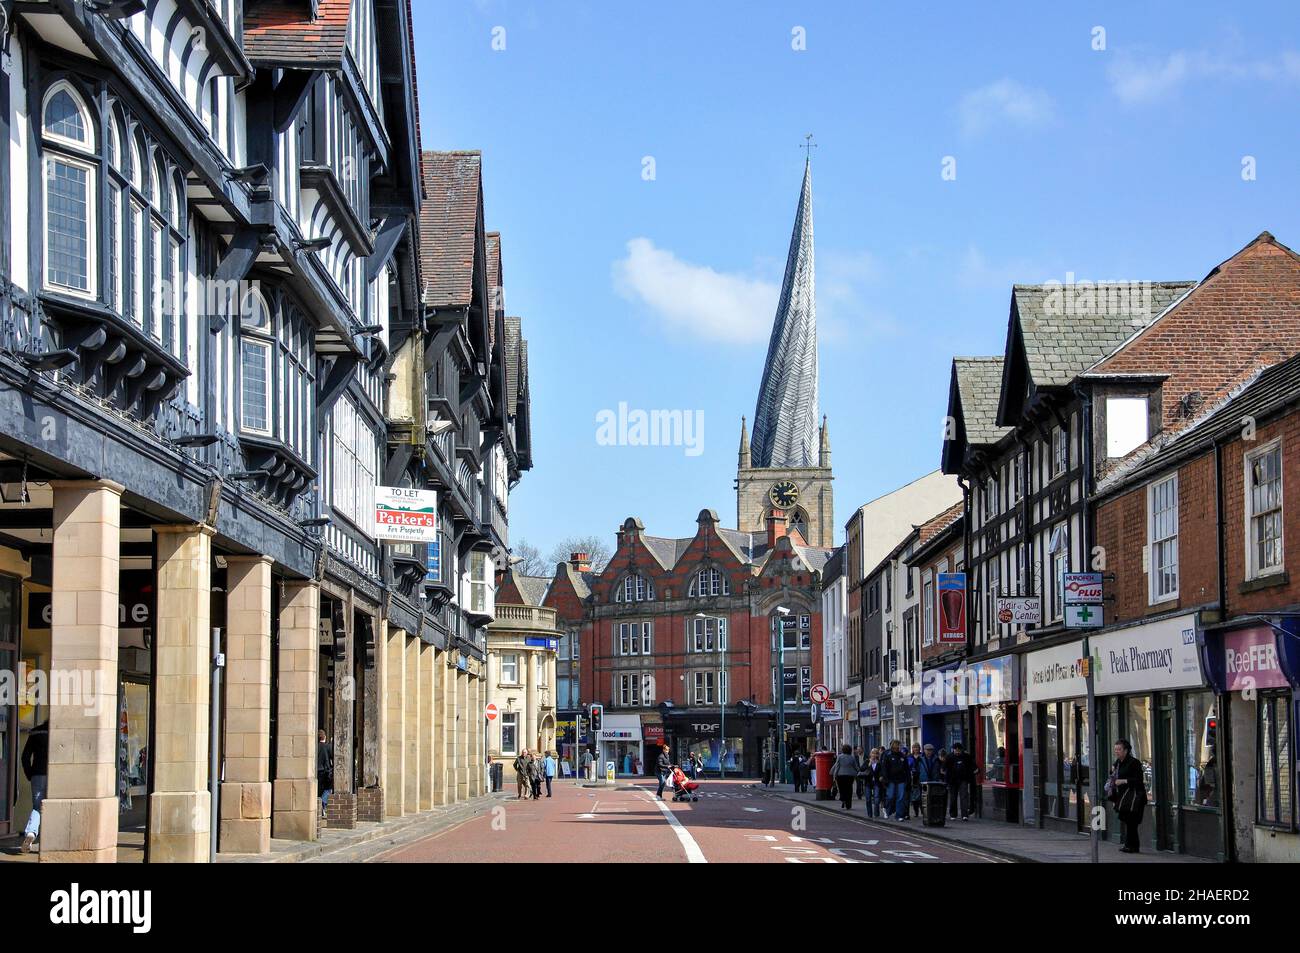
x=787 y=468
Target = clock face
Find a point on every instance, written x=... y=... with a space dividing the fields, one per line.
x=784 y=494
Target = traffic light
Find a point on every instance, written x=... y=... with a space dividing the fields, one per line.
x=593 y=717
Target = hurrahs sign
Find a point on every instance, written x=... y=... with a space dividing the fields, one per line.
x=405 y=514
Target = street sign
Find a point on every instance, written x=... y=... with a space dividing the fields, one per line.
x=1083 y=617
x=491 y=711
x=406 y=514
x=1082 y=588
x=952 y=608
x=1019 y=610
x=820 y=693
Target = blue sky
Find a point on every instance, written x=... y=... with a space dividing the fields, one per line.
x=1120 y=163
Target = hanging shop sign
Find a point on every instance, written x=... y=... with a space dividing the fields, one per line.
x=832 y=709
x=952 y=608
x=1055 y=673
x=406 y=514
x=1019 y=610
x=1083 y=597
x=869 y=713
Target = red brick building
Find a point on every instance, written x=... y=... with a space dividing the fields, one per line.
x=676 y=638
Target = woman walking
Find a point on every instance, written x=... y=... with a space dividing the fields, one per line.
x=873 y=783
x=1127 y=790
x=845 y=771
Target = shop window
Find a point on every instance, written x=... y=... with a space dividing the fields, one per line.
x=1200 y=739
x=1275 y=747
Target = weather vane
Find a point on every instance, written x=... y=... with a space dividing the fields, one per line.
x=808 y=145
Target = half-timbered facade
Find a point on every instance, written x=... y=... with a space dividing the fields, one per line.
x=211 y=285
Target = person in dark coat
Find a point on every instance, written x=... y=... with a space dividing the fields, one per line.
x=664 y=768
x=36 y=768
x=897 y=773
x=1127 y=790
x=960 y=769
x=324 y=770
x=873 y=782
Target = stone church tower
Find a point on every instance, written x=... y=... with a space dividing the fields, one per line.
x=788 y=466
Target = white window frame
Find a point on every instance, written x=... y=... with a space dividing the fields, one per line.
x=634 y=638
x=1253 y=569
x=707 y=634
x=927 y=609
x=510 y=669
x=510 y=719
x=1060 y=451
x=1158 y=544
x=91 y=291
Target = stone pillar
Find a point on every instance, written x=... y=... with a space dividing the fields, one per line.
x=532 y=701
x=430 y=758
x=414 y=730
x=79 y=817
x=474 y=716
x=180 y=815
x=246 y=783
x=341 y=812
x=294 y=804
x=395 y=723
x=463 y=719
x=446 y=735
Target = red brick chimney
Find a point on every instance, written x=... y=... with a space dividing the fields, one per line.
x=581 y=562
x=776 y=527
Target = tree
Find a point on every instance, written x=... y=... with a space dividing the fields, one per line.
x=593 y=546
x=526 y=559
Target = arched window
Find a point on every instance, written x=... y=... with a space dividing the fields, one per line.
x=799 y=523
x=68 y=191
x=710 y=581
x=255 y=348
x=635 y=588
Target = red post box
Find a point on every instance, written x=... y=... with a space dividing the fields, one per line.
x=822 y=780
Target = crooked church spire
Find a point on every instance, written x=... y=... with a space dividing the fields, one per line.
x=785 y=420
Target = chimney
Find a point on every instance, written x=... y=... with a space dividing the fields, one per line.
x=581 y=562
x=776 y=527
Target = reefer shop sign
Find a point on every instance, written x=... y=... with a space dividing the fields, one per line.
x=406 y=515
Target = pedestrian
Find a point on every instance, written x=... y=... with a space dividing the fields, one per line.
x=896 y=772
x=767 y=769
x=324 y=770
x=522 y=782
x=943 y=765
x=873 y=783
x=961 y=781
x=535 y=775
x=587 y=762
x=914 y=782
x=927 y=772
x=664 y=768
x=549 y=767
x=36 y=768
x=1127 y=790
x=859 y=784
x=845 y=773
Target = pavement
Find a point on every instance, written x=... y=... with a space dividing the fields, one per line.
x=1011 y=841
x=732 y=822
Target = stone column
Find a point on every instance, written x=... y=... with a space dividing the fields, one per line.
x=532 y=700
x=414 y=728
x=294 y=804
x=180 y=819
x=246 y=784
x=430 y=758
x=395 y=723
x=447 y=731
x=79 y=817
x=474 y=717
x=463 y=719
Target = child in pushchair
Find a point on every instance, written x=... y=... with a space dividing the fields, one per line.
x=683 y=787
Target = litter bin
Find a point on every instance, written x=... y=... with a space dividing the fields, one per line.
x=498 y=774
x=822 y=779
x=934 y=803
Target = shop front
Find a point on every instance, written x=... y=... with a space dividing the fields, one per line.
x=1151 y=690
x=907 y=725
x=1255 y=669
x=869 y=724
x=943 y=707
x=653 y=741
x=888 y=730
x=830 y=723
x=1056 y=696
x=997 y=742
x=620 y=743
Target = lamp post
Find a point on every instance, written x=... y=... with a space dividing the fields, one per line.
x=782 y=611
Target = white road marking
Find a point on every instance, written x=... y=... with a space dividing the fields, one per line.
x=754 y=810
x=693 y=853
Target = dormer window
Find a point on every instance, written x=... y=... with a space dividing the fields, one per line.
x=710 y=582
x=1126 y=425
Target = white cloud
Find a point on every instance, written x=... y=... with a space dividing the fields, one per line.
x=1004 y=102
x=715 y=305
x=1136 y=81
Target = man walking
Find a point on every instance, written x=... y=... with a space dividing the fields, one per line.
x=896 y=773
x=521 y=774
x=587 y=762
x=324 y=770
x=549 y=766
x=961 y=779
x=36 y=761
x=664 y=768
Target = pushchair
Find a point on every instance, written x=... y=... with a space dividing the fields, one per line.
x=683 y=787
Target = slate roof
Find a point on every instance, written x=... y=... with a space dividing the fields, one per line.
x=667 y=551
x=1060 y=343
x=284 y=33
x=748 y=547
x=1268 y=392
x=514 y=345
x=581 y=581
x=979 y=387
x=813 y=556
x=448 y=221
x=496 y=288
x=533 y=589
x=834 y=565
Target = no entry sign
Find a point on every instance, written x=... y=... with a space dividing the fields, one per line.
x=491 y=711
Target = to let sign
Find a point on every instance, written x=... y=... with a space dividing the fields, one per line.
x=406 y=514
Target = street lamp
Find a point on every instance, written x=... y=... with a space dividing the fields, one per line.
x=722 y=699
x=782 y=611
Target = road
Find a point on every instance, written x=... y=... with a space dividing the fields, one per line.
x=731 y=823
